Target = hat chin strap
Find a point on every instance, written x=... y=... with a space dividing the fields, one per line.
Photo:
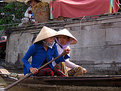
x=48 y=44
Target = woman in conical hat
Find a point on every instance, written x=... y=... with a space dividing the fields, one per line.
x=29 y=14
x=32 y=2
x=42 y=51
x=40 y=10
x=64 y=39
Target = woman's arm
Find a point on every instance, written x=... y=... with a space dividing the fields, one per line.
x=70 y=64
x=28 y=54
x=62 y=58
x=73 y=65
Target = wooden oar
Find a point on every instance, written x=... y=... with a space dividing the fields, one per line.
x=28 y=75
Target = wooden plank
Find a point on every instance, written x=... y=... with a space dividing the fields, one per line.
x=111 y=81
x=4 y=71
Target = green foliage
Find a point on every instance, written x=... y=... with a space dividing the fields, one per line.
x=13 y=13
x=119 y=9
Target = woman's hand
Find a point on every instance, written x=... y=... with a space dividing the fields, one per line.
x=67 y=51
x=33 y=70
x=84 y=70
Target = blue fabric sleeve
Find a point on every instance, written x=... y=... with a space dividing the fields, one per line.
x=66 y=56
x=28 y=54
x=60 y=59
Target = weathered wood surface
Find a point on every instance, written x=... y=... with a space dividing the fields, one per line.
x=79 y=81
x=4 y=71
x=110 y=81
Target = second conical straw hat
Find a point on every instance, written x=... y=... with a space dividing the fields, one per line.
x=67 y=33
x=26 y=1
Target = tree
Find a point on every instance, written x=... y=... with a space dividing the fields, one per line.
x=12 y=13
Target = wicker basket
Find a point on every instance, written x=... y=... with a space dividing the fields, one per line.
x=41 y=12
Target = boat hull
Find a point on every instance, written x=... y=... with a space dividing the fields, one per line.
x=110 y=81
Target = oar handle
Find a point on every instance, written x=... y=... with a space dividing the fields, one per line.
x=28 y=75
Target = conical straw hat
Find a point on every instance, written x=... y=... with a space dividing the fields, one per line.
x=21 y=0
x=45 y=33
x=67 y=33
x=26 y=1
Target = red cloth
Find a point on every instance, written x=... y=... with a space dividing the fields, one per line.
x=80 y=8
x=115 y=6
x=49 y=72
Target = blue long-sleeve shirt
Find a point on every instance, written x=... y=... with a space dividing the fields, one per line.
x=39 y=54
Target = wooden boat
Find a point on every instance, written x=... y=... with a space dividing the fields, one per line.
x=106 y=80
